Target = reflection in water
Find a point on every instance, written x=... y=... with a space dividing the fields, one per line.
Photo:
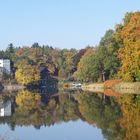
x=117 y=117
x=102 y=112
x=130 y=120
x=5 y=108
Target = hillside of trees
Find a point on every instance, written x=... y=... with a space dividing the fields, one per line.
x=116 y=57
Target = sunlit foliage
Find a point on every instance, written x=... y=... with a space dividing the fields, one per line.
x=128 y=34
x=27 y=73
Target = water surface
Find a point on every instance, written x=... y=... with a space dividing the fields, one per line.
x=71 y=115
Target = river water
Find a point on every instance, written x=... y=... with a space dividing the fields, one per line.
x=69 y=115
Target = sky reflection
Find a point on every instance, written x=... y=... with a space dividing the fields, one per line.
x=72 y=130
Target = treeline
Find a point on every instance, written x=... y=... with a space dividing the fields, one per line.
x=116 y=56
x=27 y=61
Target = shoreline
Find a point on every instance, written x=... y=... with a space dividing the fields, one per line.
x=14 y=87
x=121 y=87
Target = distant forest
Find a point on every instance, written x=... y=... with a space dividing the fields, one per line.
x=116 y=57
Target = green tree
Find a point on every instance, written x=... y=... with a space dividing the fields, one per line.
x=107 y=55
x=86 y=70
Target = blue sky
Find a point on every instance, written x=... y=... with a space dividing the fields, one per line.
x=60 y=23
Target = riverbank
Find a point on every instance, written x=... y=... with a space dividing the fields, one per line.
x=13 y=87
x=95 y=87
x=116 y=86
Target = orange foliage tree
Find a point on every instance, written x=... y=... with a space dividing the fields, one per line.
x=128 y=34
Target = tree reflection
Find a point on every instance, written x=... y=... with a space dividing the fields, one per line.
x=104 y=113
x=117 y=117
x=30 y=110
x=130 y=121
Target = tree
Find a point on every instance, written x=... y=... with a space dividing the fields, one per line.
x=103 y=64
x=10 y=52
x=86 y=70
x=27 y=73
x=66 y=63
x=129 y=35
x=35 y=45
x=107 y=55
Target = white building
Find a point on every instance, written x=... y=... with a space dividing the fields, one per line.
x=5 y=108
x=5 y=65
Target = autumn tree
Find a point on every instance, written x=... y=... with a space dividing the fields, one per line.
x=27 y=73
x=67 y=66
x=128 y=34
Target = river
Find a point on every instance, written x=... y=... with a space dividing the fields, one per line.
x=69 y=115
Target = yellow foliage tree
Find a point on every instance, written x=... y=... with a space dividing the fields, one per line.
x=27 y=74
x=128 y=34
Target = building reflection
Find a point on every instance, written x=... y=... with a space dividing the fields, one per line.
x=5 y=108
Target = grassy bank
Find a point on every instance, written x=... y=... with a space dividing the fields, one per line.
x=95 y=87
x=114 y=85
x=13 y=87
